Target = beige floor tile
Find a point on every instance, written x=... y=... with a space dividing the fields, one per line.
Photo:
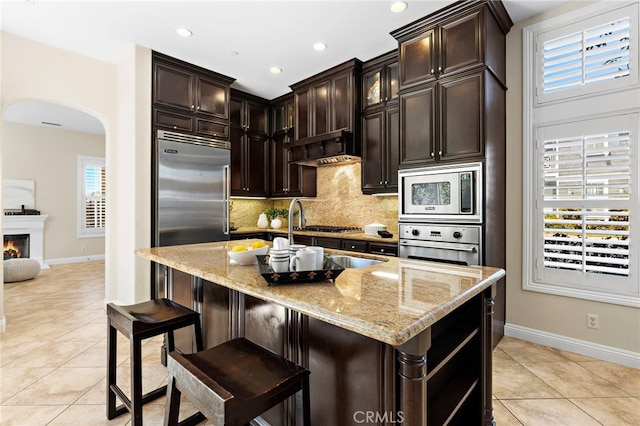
x=612 y=411
x=53 y=354
x=512 y=381
x=547 y=412
x=500 y=355
x=523 y=351
x=574 y=381
x=15 y=379
x=626 y=378
x=24 y=415
x=93 y=415
x=62 y=386
x=502 y=416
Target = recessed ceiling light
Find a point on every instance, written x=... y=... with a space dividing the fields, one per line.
x=275 y=70
x=319 y=46
x=184 y=32
x=398 y=6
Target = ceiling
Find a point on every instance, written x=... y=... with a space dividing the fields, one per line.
x=241 y=39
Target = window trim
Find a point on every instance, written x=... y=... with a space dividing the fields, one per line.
x=575 y=108
x=82 y=231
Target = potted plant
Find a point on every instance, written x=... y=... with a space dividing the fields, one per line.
x=274 y=215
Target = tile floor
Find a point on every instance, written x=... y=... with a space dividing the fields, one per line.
x=53 y=357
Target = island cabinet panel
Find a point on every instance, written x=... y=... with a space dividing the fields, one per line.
x=349 y=375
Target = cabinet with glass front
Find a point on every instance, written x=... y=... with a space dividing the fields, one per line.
x=380 y=80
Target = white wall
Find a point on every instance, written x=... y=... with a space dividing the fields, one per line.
x=118 y=95
x=554 y=320
x=49 y=156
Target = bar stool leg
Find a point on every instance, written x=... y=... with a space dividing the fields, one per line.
x=136 y=382
x=172 y=407
x=112 y=336
x=306 y=402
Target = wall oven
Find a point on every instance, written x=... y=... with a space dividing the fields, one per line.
x=441 y=194
x=458 y=244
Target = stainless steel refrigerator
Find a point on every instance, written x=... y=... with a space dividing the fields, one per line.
x=191 y=192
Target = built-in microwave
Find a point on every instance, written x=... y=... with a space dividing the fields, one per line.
x=451 y=193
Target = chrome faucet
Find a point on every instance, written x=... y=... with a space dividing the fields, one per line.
x=301 y=220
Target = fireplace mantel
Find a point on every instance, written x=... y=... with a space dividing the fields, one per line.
x=32 y=225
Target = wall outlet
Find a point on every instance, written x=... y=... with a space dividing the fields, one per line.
x=593 y=321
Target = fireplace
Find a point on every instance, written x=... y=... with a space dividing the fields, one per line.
x=15 y=228
x=16 y=246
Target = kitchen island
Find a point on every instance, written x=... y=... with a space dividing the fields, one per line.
x=403 y=341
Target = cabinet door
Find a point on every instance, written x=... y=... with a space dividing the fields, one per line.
x=302 y=114
x=417 y=57
x=172 y=121
x=462 y=45
x=391 y=82
x=373 y=88
x=372 y=157
x=321 y=114
x=236 y=113
x=417 y=131
x=238 y=184
x=212 y=98
x=279 y=166
x=257 y=119
x=173 y=87
x=462 y=118
x=392 y=149
x=211 y=128
x=256 y=163
x=341 y=102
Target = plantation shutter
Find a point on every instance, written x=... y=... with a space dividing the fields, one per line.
x=95 y=196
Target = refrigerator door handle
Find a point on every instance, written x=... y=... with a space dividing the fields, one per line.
x=227 y=189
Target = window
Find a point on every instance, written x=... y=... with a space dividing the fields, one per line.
x=92 y=196
x=581 y=160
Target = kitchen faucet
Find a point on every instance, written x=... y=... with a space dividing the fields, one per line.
x=301 y=220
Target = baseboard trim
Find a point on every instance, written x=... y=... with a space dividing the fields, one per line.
x=3 y=324
x=582 y=347
x=63 y=260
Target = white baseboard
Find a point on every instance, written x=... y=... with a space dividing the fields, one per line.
x=63 y=260
x=3 y=325
x=582 y=347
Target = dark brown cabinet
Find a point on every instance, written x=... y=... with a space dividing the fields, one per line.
x=327 y=113
x=287 y=179
x=380 y=125
x=249 y=113
x=249 y=145
x=445 y=120
x=189 y=99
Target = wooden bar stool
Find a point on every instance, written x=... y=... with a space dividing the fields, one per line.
x=232 y=383
x=139 y=322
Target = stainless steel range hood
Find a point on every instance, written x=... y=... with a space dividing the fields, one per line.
x=329 y=149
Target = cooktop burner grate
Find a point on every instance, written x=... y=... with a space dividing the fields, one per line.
x=328 y=228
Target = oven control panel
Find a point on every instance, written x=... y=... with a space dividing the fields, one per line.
x=466 y=234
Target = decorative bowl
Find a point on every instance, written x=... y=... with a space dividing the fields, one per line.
x=248 y=257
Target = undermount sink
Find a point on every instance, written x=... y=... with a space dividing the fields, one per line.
x=353 y=261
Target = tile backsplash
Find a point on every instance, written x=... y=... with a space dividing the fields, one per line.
x=339 y=201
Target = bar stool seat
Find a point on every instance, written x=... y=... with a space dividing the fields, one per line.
x=232 y=383
x=138 y=322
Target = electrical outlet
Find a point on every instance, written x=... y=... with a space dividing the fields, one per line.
x=593 y=321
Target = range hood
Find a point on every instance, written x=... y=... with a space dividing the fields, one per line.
x=328 y=149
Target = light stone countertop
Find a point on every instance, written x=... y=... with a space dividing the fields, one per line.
x=390 y=302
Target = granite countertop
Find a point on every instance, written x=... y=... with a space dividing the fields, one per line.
x=341 y=235
x=390 y=302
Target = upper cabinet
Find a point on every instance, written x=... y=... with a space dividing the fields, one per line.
x=380 y=81
x=466 y=35
x=452 y=87
x=380 y=121
x=287 y=179
x=190 y=99
x=249 y=113
x=327 y=113
x=249 y=145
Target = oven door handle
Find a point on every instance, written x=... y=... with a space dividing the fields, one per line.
x=441 y=246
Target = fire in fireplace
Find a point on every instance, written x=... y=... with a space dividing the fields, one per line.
x=16 y=246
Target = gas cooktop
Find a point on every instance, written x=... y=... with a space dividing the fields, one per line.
x=328 y=228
